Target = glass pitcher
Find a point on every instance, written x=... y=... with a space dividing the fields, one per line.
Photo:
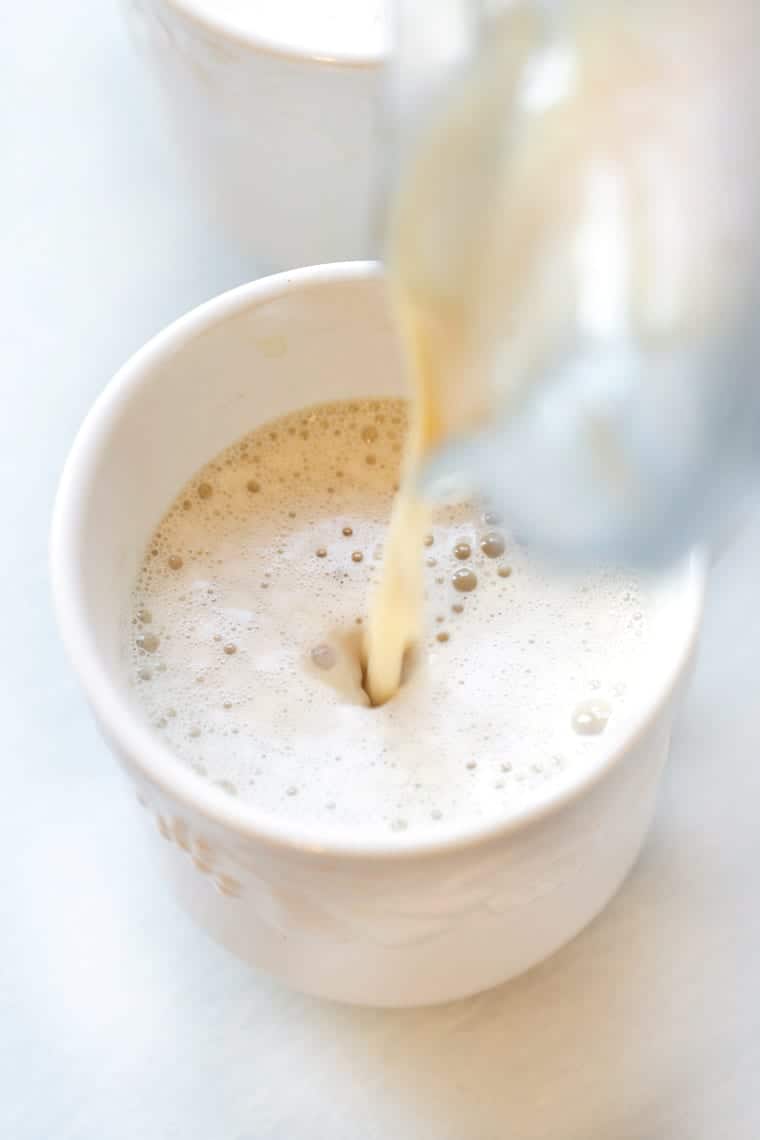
x=572 y=212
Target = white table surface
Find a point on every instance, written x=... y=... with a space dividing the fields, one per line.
x=120 y=1021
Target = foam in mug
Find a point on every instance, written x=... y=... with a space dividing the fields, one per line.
x=244 y=641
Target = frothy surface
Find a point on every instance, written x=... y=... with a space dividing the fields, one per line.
x=242 y=649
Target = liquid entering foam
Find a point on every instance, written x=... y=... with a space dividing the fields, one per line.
x=243 y=644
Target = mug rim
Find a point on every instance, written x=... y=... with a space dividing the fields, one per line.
x=133 y=737
x=228 y=29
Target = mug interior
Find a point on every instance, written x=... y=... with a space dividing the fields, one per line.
x=254 y=354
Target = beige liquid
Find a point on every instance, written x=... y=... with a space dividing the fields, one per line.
x=243 y=645
x=543 y=206
x=436 y=286
x=445 y=264
x=396 y=609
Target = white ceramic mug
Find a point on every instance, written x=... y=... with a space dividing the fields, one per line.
x=398 y=921
x=282 y=140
